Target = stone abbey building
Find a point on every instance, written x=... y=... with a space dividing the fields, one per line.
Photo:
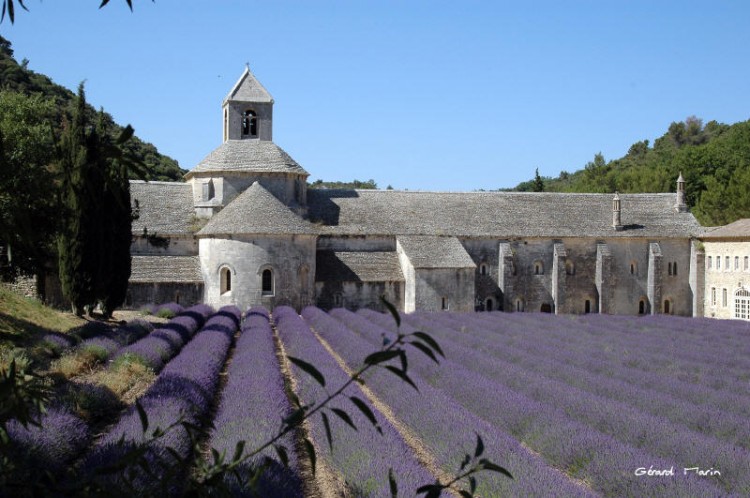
x=244 y=229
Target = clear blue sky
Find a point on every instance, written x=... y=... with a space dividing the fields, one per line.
x=424 y=95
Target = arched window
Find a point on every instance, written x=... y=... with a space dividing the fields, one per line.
x=444 y=303
x=669 y=266
x=570 y=268
x=641 y=307
x=177 y=297
x=249 y=124
x=538 y=268
x=667 y=307
x=587 y=306
x=742 y=304
x=489 y=304
x=483 y=269
x=713 y=296
x=633 y=268
x=226 y=280
x=338 y=300
x=267 y=282
x=519 y=304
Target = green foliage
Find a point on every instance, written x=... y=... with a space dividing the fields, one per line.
x=94 y=241
x=713 y=158
x=354 y=184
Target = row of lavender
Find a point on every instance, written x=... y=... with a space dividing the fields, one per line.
x=445 y=427
x=717 y=413
x=625 y=412
x=361 y=458
x=179 y=398
x=597 y=457
x=62 y=436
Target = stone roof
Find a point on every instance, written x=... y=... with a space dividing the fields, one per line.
x=335 y=266
x=740 y=229
x=248 y=156
x=164 y=207
x=256 y=211
x=172 y=269
x=435 y=252
x=496 y=214
x=248 y=89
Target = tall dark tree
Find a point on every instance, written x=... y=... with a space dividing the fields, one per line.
x=94 y=245
x=538 y=182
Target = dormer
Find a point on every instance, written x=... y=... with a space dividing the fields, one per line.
x=248 y=110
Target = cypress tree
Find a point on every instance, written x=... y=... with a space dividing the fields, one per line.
x=94 y=246
x=76 y=259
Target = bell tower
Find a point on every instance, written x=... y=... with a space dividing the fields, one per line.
x=247 y=110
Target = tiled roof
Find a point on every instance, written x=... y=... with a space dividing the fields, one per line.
x=740 y=229
x=334 y=266
x=435 y=252
x=256 y=211
x=250 y=155
x=496 y=214
x=164 y=207
x=180 y=269
x=248 y=89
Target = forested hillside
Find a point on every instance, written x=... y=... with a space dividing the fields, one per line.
x=17 y=78
x=713 y=158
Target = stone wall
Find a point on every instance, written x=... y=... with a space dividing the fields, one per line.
x=141 y=294
x=723 y=281
x=356 y=295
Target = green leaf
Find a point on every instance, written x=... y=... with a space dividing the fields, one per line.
x=281 y=451
x=311 y=451
x=392 y=309
x=366 y=412
x=142 y=415
x=327 y=426
x=392 y=482
x=311 y=370
x=425 y=350
x=402 y=375
x=344 y=416
x=404 y=363
x=473 y=484
x=465 y=461
x=125 y=135
x=430 y=342
x=238 y=450
x=480 y=447
x=486 y=464
x=381 y=356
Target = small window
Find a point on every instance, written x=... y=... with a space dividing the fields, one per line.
x=713 y=296
x=226 y=280
x=519 y=305
x=724 y=299
x=669 y=266
x=633 y=268
x=338 y=300
x=641 y=307
x=667 y=307
x=726 y=263
x=177 y=297
x=267 y=282
x=444 y=304
x=538 y=268
x=710 y=263
x=747 y=263
x=483 y=269
x=226 y=125
x=736 y=263
x=249 y=124
x=718 y=262
x=587 y=306
x=489 y=304
x=570 y=268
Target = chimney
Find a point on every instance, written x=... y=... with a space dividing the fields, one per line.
x=680 y=206
x=616 y=219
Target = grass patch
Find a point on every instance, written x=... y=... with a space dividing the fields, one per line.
x=79 y=361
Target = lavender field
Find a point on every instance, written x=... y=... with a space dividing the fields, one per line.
x=570 y=405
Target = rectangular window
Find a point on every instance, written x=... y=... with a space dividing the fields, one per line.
x=710 y=263
x=718 y=262
x=736 y=262
x=726 y=263
x=747 y=261
x=713 y=296
x=724 y=298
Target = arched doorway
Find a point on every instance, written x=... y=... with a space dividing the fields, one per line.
x=489 y=304
x=546 y=308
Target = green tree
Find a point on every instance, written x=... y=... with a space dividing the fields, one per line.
x=94 y=243
x=538 y=182
x=27 y=200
